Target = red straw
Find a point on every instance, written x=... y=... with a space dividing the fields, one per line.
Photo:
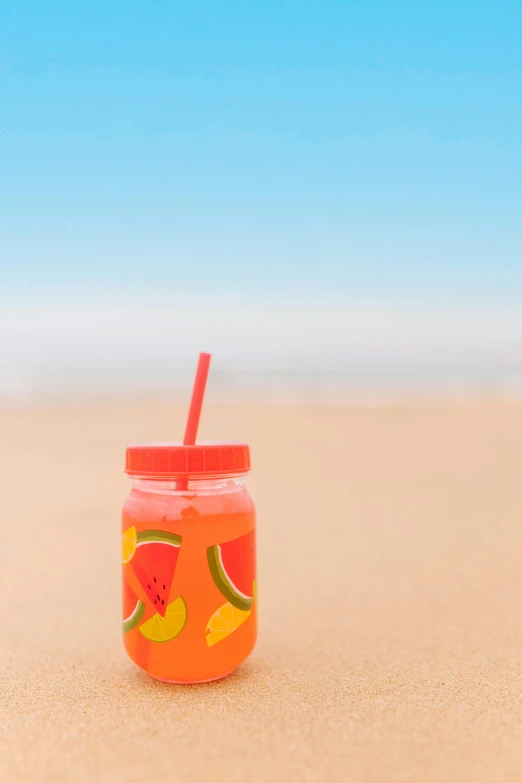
x=196 y=403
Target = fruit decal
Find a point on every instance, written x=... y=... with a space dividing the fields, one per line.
x=133 y=609
x=152 y=555
x=128 y=545
x=223 y=622
x=232 y=566
x=163 y=628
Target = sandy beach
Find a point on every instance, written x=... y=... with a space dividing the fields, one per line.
x=390 y=593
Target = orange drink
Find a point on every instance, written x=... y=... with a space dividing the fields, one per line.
x=188 y=560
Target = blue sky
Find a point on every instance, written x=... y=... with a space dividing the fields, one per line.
x=341 y=146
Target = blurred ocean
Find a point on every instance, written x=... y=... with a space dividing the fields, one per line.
x=97 y=343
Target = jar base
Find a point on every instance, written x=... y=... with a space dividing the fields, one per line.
x=193 y=682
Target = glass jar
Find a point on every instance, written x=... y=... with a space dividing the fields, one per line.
x=188 y=554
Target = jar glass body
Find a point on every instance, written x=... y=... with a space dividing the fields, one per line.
x=189 y=577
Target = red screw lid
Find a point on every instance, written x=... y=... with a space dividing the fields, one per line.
x=173 y=460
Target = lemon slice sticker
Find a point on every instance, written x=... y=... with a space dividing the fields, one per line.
x=129 y=540
x=163 y=629
x=223 y=622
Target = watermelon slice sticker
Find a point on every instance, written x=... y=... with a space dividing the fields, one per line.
x=133 y=609
x=232 y=566
x=154 y=563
